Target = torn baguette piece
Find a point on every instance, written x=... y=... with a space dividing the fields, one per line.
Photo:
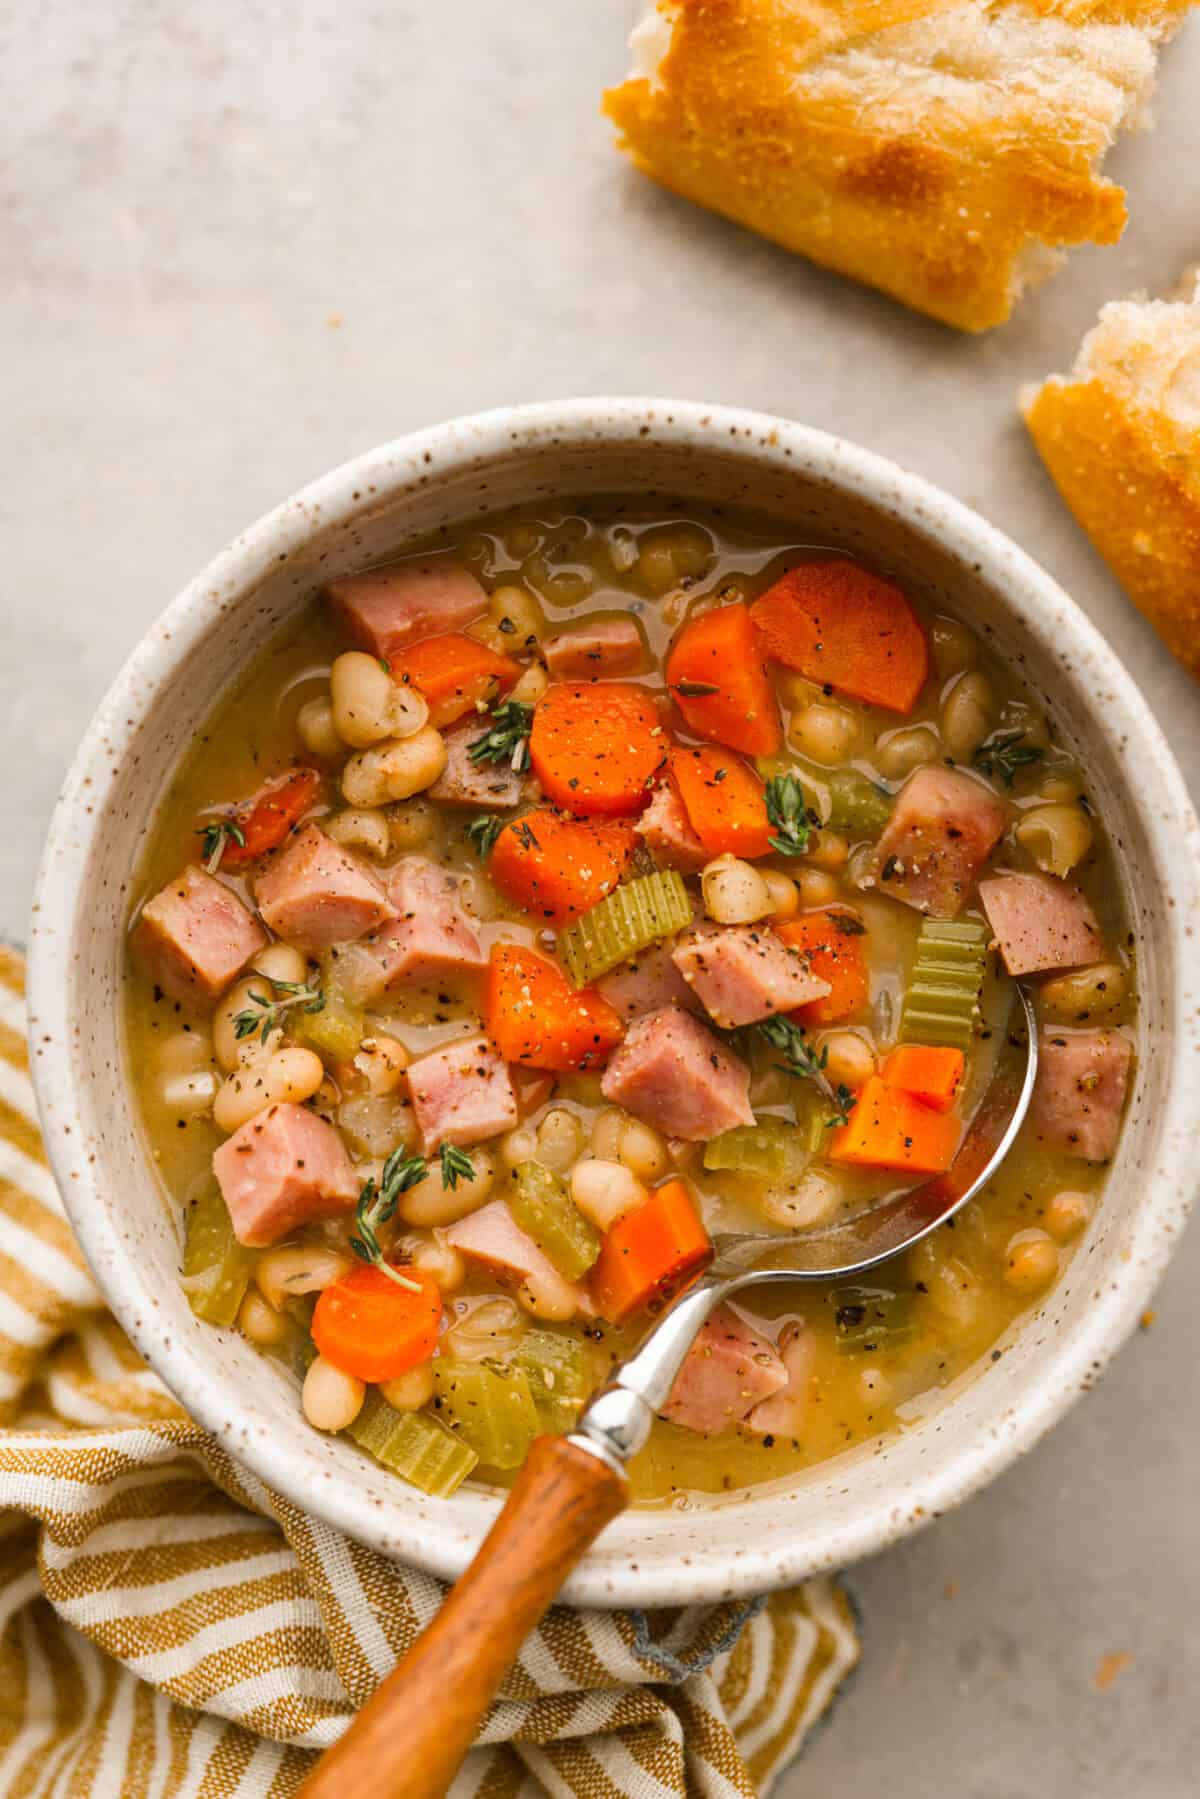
x=942 y=150
x=1120 y=436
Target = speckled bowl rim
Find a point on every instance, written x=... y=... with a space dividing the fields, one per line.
x=960 y=1468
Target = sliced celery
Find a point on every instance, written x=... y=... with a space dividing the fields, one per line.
x=489 y=1406
x=771 y=1150
x=539 y=1201
x=554 y=1366
x=335 y=1032
x=414 y=1445
x=856 y=804
x=625 y=922
x=941 y=1005
x=870 y=1318
x=216 y=1267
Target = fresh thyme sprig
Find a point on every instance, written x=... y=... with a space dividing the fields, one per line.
x=271 y=1008
x=216 y=836
x=788 y=813
x=803 y=1061
x=1004 y=754
x=455 y=1166
x=483 y=832
x=508 y=739
x=377 y=1206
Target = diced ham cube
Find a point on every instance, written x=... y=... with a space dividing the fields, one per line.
x=783 y=1413
x=282 y=1169
x=431 y=940
x=672 y=1072
x=744 y=972
x=728 y=1371
x=1040 y=923
x=492 y=1236
x=1080 y=1091
x=667 y=833
x=605 y=644
x=316 y=894
x=488 y=786
x=196 y=937
x=647 y=984
x=461 y=1094
x=943 y=828
x=387 y=608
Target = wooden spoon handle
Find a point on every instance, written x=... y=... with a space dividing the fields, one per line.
x=409 y=1738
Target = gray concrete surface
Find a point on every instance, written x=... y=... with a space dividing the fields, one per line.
x=242 y=242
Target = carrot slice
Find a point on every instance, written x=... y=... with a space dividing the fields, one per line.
x=890 y=1129
x=271 y=815
x=534 y=1015
x=558 y=867
x=832 y=941
x=847 y=628
x=932 y=1075
x=367 y=1325
x=723 y=800
x=595 y=746
x=455 y=673
x=719 y=650
x=649 y=1253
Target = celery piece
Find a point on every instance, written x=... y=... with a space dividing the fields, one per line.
x=540 y=1203
x=870 y=1318
x=216 y=1267
x=941 y=1005
x=553 y=1364
x=771 y=1150
x=489 y=1406
x=335 y=1032
x=856 y=804
x=625 y=922
x=415 y=1445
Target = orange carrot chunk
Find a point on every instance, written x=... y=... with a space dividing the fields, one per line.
x=649 y=1253
x=932 y=1075
x=890 y=1129
x=595 y=746
x=557 y=867
x=270 y=816
x=368 y=1325
x=533 y=1014
x=723 y=800
x=455 y=674
x=832 y=939
x=848 y=629
x=716 y=677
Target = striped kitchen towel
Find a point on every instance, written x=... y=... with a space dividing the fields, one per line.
x=169 y=1627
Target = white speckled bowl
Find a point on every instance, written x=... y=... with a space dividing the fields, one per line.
x=435 y=481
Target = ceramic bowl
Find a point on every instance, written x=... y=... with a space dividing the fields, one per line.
x=433 y=482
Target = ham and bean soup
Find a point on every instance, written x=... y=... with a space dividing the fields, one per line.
x=545 y=906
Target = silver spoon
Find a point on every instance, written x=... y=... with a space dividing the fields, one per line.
x=412 y=1734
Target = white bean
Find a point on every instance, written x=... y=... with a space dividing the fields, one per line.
x=411 y=825
x=1067 y=1213
x=280 y=962
x=734 y=892
x=784 y=893
x=1086 y=992
x=410 y=1390
x=436 y=1257
x=849 y=1058
x=518 y=1146
x=381 y=1061
x=260 y=1323
x=294 y=1269
x=362 y=828
x=559 y=1139
x=287 y=1076
x=368 y=705
x=817 y=1195
x=825 y=734
x=898 y=752
x=828 y=849
x=331 y=1400
x=1057 y=837
x=184 y=1053
x=968 y=713
x=231 y=1050
x=518 y=617
x=816 y=887
x=604 y=1191
x=547 y=1295
x=955 y=647
x=1030 y=1261
x=317 y=731
x=394 y=770
x=531 y=685
x=493 y=1328
x=429 y=1202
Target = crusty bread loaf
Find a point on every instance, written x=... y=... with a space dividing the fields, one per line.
x=942 y=150
x=1121 y=437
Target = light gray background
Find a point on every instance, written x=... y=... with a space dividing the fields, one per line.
x=191 y=198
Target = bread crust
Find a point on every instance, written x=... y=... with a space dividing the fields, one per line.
x=1121 y=472
x=940 y=210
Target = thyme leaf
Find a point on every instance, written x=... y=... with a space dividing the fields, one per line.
x=482 y=832
x=804 y=1062
x=377 y=1206
x=216 y=836
x=455 y=1166
x=1004 y=754
x=508 y=739
x=787 y=812
x=271 y=1007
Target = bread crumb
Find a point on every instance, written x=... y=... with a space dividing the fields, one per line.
x=1148 y=1320
x=1109 y=1667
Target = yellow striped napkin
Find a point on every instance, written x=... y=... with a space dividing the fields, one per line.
x=172 y=1629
